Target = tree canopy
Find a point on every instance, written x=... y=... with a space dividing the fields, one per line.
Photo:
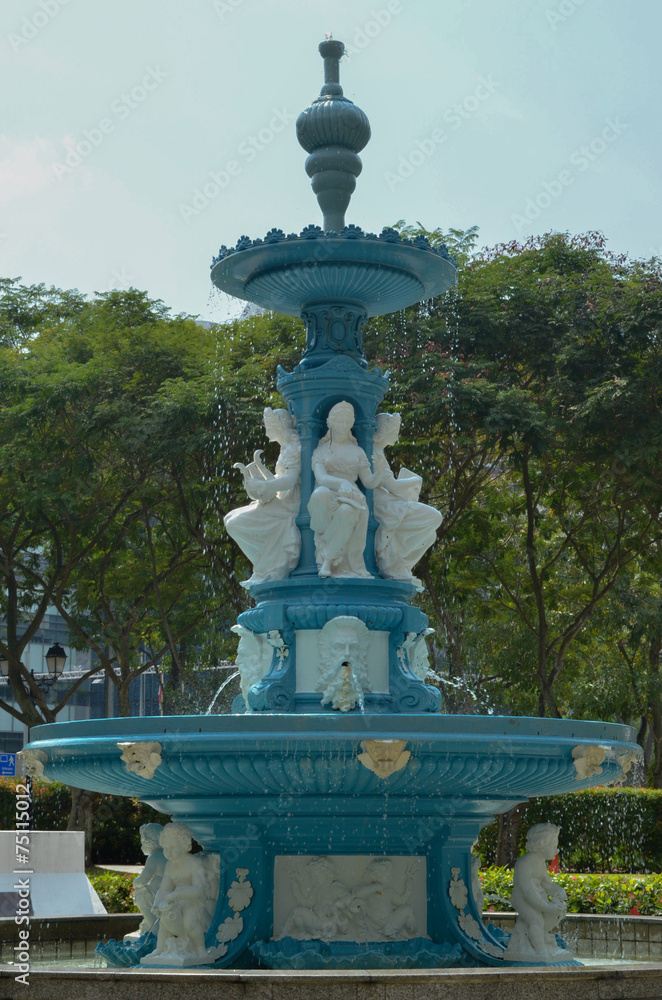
x=531 y=405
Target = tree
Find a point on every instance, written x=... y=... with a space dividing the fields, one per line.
x=526 y=387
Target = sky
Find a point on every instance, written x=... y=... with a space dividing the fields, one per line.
x=137 y=137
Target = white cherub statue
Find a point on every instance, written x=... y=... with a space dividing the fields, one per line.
x=147 y=884
x=183 y=905
x=539 y=901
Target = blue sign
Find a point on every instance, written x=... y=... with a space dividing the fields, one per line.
x=7 y=765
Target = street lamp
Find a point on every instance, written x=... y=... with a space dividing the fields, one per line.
x=55 y=659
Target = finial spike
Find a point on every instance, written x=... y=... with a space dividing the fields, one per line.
x=332 y=52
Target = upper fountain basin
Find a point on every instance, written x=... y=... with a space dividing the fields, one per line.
x=485 y=757
x=378 y=274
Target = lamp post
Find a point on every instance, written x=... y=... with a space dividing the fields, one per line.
x=55 y=660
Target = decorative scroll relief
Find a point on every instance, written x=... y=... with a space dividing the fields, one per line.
x=254 y=655
x=321 y=651
x=33 y=762
x=350 y=898
x=626 y=760
x=587 y=761
x=459 y=895
x=239 y=897
x=384 y=757
x=266 y=530
x=141 y=758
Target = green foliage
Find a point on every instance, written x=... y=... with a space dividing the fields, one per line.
x=602 y=829
x=531 y=397
x=532 y=404
x=51 y=803
x=115 y=890
x=634 y=894
x=116 y=824
x=627 y=894
x=116 y=829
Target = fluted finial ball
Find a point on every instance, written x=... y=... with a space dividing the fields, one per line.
x=333 y=130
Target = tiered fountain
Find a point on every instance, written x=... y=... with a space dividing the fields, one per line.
x=337 y=807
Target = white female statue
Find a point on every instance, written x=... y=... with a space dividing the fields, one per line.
x=266 y=529
x=407 y=528
x=338 y=510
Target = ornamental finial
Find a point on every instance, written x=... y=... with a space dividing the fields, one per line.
x=333 y=130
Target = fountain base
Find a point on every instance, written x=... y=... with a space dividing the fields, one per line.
x=338 y=828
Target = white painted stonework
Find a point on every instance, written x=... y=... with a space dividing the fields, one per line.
x=350 y=897
x=541 y=904
x=338 y=509
x=185 y=903
x=384 y=757
x=142 y=757
x=254 y=656
x=265 y=530
x=308 y=661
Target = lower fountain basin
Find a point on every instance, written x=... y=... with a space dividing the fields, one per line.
x=486 y=757
x=277 y=796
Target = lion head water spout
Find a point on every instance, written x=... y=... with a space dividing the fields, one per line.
x=337 y=808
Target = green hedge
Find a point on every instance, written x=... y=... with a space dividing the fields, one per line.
x=635 y=894
x=117 y=820
x=602 y=829
x=115 y=890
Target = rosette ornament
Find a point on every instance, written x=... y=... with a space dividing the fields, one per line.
x=333 y=130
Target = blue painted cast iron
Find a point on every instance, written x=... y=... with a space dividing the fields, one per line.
x=292 y=778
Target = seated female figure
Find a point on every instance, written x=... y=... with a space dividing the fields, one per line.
x=407 y=528
x=266 y=529
x=338 y=509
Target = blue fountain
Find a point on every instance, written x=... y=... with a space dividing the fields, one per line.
x=336 y=806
